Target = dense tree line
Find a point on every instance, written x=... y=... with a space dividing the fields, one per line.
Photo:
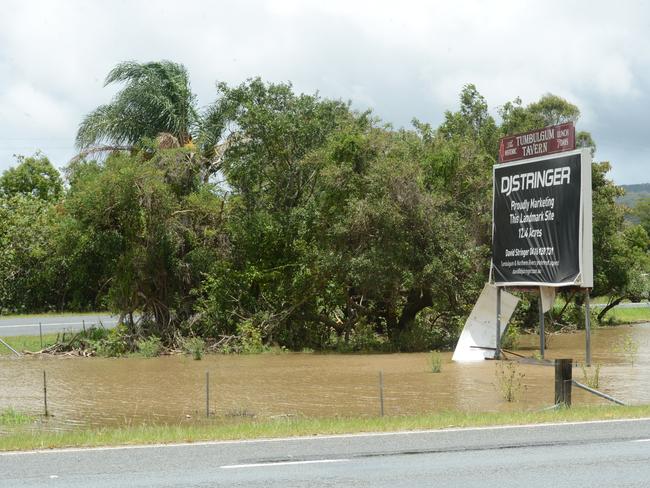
x=286 y=217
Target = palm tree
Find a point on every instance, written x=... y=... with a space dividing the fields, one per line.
x=156 y=99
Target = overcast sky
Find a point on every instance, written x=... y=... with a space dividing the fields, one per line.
x=403 y=59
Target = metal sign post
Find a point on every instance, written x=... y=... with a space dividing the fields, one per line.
x=497 y=353
x=542 y=338
x=587 y=329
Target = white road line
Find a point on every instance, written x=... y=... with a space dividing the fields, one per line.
x=641 y=440
x=57 y=323
x=283 y=463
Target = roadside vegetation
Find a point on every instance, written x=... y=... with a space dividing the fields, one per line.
x=28 y=343
x=12 y=417
x=435 y=362
x=272 y=218
x=619 y=316
x=35 y=435
x=509 y=380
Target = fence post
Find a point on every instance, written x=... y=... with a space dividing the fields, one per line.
x=45 y=393
x=563 y=381
x=207 y=393
x=381 y=393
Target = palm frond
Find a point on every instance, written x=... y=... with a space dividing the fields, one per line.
x=156 y=98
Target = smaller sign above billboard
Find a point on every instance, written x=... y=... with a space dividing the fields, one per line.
x=549 y=140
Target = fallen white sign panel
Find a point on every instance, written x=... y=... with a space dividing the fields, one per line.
x=547 y=295
x=480 y=327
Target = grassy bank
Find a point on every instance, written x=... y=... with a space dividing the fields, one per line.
x=34 y=437
x=28 y=343
x=628 y=315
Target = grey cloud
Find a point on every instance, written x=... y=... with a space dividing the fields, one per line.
x=401 y=60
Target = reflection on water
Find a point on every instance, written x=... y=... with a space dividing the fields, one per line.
x=100 y=392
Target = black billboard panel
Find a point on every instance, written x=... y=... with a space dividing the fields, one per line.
x=537 y=222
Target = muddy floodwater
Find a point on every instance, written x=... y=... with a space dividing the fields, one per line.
x=131 y=391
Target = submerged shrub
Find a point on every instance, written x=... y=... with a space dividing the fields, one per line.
x=591 y=379
x=510 y=340
x=11 y=416
x=627 y=347
x=250 y=338
x=113 y=343
x=149 y=347
x=509 y=380
x=194 y=346
x=435 y=362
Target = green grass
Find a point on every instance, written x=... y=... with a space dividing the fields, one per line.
x=560 y=301
x=601 y=300
x=11 y=417
x=25 y=438
x=628 y=315
x=27 y=343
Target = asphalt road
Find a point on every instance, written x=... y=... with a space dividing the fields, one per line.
x=612 y=453
x=15 y=326
x=625 y=305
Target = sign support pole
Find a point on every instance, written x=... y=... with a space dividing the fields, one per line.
x=497 y=349
x=542 y=337
x=587 y=329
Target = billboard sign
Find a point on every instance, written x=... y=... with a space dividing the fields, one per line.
x=542 y=221
x=549 y=140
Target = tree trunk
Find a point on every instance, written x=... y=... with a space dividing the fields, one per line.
x=417 y=299
x=611 y=304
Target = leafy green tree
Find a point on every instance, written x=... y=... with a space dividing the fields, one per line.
x=369 y=243
x=24 y=247
x=40 y=258
x=156 y=98
x=548 y=110
x=46 y=261
x=620 y=252
x=458 y=159
x=400 y=247
x=625 y=268
x=272 y=179
x=472 y=121
x=151 y=213
x=127 y=204
x=33 y=176
x=271 y=131
x=642 y=212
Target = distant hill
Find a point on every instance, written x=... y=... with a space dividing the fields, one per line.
x=633 y=193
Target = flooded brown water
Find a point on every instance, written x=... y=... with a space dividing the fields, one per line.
x=128 y=391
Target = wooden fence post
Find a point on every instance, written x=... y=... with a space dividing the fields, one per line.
x=563 y=381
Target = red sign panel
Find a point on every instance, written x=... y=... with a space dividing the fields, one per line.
x=549 y=140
